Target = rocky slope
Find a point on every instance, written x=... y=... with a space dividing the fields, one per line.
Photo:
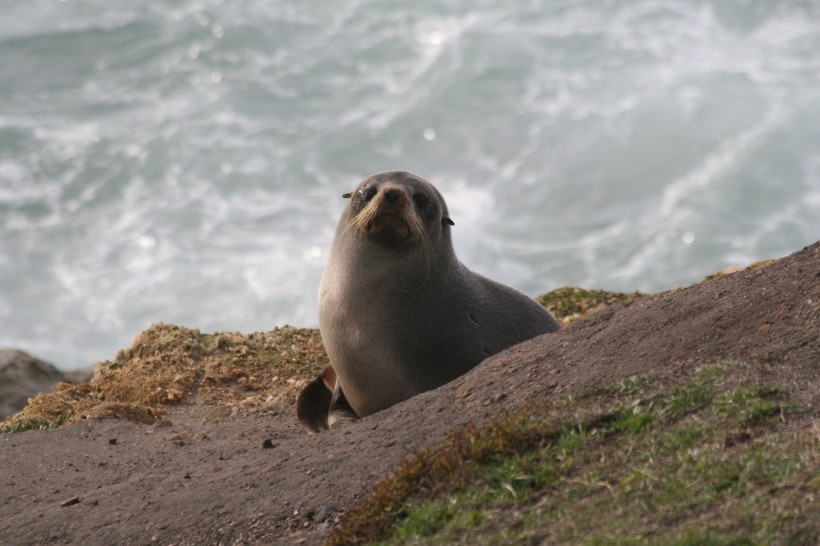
x=207 y=449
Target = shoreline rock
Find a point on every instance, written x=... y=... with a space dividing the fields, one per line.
x=228 y=464
x=23 y=376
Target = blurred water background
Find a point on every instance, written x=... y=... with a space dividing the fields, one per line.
x=183 y=161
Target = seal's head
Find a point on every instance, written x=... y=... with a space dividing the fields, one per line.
x=397 y=210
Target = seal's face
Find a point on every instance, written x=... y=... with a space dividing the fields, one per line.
x=397 y=210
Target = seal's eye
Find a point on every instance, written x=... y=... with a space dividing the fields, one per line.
x=421 y=200
x=368 y=193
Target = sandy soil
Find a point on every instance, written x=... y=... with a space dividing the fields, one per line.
x=205 y=477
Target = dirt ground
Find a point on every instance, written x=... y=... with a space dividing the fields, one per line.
x=200 y=477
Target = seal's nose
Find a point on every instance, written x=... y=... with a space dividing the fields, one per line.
x=392 y=195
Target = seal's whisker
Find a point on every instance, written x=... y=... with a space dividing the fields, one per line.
x=361 y=222
x=417 y=231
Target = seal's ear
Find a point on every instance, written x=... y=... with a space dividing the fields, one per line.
x=445 y=220
x=347 y=195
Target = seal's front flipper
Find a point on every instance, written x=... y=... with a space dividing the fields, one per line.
x=312 y=405
x=314 y=401
x=340 y=410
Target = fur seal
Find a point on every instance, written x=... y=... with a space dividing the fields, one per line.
x=398 y=313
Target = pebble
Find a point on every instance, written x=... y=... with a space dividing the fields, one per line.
x=71 y=501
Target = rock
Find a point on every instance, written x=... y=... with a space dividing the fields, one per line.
x=21 y=377
x=71 y=502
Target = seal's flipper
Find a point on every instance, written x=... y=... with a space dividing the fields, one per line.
x=314 y=401
x=312 y=406
x=340 y=410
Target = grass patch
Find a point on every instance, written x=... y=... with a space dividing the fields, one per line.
x=28 y=424
x=169 y=365
x=570 y=304
x=633 y=419
x=695 y=394
x=713 y=461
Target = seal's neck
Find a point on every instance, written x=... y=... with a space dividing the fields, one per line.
x=361 y=263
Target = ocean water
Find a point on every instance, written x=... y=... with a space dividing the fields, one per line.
x=183 y=161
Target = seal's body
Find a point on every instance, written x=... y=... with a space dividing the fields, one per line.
x=398 y=313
